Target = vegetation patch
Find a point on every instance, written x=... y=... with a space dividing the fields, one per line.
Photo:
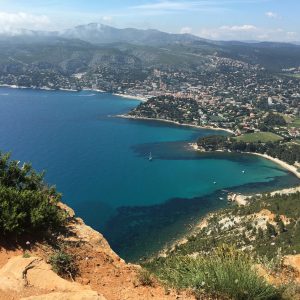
x=224 y=272
x=256 y=137
x=145 y=278
x=27 y=204
x=64 y=264
x=295 y=123
x=264 y=232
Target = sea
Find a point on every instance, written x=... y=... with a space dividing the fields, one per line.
x=100 y=164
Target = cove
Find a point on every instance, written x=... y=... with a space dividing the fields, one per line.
x=100 y=164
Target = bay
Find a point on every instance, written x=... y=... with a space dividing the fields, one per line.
x=100 y=164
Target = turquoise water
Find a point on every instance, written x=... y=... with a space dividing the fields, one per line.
x=100 y=164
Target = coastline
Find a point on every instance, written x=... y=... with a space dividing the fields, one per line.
x=45 y=88
x=283 y=164
x=127 y=96
x=175 y=122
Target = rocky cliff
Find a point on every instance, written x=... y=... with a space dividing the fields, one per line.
x=25 y=272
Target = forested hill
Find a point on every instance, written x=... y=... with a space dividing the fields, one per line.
x=85 y=47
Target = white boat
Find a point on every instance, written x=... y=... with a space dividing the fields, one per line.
x=150 y=157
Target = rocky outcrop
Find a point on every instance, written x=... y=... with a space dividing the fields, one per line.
x=103 y=275
x=293 y=261
x=19 y=273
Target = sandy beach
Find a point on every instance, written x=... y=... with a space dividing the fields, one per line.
x=139 y=98
x=283 y=164
x=174 y=122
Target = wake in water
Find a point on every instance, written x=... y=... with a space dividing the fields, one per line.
x=87 y=95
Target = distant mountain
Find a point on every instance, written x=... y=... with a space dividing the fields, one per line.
x=103 y=34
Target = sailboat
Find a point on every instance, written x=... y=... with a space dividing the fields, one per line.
x=150 y=157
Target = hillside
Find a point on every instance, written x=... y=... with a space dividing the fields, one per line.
x=265 y=233
x=111 y=59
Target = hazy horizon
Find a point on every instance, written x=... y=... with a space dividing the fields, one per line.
x=244 y=20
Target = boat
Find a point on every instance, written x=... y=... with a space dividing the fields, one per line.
x=150 y=157
x=243 y=171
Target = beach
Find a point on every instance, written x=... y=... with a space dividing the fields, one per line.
x=139 y=98
x=283 y=164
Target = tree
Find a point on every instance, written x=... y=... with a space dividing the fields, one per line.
x=27 y=204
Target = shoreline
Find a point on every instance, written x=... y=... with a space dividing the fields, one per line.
x=175 y=122
x=283 y=164
x=133 y=97
x=45 y=88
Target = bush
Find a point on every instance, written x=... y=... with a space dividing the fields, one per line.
x=27 y=204
x=64 y=264
x=145 y=278
x=225 y=272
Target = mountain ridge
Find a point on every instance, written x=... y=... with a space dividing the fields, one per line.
x=106 y=34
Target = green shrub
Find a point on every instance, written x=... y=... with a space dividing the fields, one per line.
x=26 y=254
x=27 y=204
x=225 y=272
x=145 y=278
x=64 y=264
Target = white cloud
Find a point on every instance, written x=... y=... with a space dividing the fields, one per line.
x=11 y=22
x=272 y=15
x=226 y=32
x=247 y=32
x=160 y=7
x=186 y=29
x=291 y=35
x=239 y=28
x=107 y=19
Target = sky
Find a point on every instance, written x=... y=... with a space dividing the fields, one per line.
x=268 y=20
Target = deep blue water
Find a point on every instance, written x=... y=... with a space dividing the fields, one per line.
x=100 y=164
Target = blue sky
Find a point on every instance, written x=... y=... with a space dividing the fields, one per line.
x=275 y=20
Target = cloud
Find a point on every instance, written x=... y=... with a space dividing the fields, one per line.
x=167 y=6
x=247 y=32
x=107 y=19
x=11 y=22
x=239 y=28
x=272 y=15
x=292 y=35
x=186 y=29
